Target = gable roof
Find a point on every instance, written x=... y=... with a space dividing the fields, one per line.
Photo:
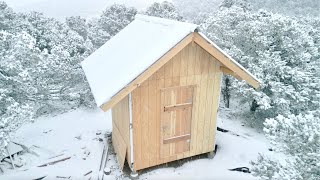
x=139 y=50
x=130 y=52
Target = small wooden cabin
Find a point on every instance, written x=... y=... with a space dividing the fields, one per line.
x=161 y=79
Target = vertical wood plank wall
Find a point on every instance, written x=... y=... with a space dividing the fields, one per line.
x=120 y=124
x=192 y=66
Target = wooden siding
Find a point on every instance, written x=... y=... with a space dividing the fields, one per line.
x=176 y=116
x=120 y=130
x=191 y=66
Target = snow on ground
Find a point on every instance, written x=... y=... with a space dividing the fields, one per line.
x=76 y=134
x=235 y=149
x=72 y=134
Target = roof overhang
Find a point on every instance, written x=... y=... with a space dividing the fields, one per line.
x=231 y=66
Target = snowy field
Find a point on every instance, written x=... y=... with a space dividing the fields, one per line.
x=80 y=135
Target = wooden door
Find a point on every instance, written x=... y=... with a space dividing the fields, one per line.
x=176 y=116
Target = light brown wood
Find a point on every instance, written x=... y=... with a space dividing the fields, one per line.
x=225 y=60
x=227 y=71
x=191 y=60
x=119 y=145
x=177 y=87
x=176 y=65
x=145 y=110
x=147 y=73
x=201 y=113
x=157 y=129
x=152 y=88
x=201 y=79
x=176 y=121
x=177 y=139
x=137 y=127
x=184 y=62
x=177 y=107
x=120 y=128
x=174 y=106
x=215 y=105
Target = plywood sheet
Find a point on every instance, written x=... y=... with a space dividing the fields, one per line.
x=119 y=145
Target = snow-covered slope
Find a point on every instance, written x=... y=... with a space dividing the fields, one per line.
x=73 y=134
x=76 y=134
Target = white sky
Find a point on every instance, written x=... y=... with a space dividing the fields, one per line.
x=64 y=8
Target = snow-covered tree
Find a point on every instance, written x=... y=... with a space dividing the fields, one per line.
x=283 y=52
x=193 y=10
x=163 y=10
x=278 y=50
x=298 y=136
x=96 y=33
x=15 y=114
x=16 y=83
x=289 y=7
x=113 y=19
x=79 y=25
x=116 y=17
x=39 y=68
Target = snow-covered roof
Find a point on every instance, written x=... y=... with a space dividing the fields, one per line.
x=130 y=52
x=114 y=67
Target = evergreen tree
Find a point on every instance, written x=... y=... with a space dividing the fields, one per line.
x=298 y=136
x=112 y=20
x=163 y=10
x=278 y=50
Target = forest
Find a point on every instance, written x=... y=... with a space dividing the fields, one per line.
x=278 y=41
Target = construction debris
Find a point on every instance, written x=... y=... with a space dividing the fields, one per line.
x=56 y=156
x=63 y=177
x=54 y=162
x=241 y=169
x=87 y=173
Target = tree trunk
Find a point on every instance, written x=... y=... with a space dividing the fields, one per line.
x=254 y=106
x=226 y=92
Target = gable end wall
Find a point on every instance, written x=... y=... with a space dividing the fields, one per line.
x=191 y=66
